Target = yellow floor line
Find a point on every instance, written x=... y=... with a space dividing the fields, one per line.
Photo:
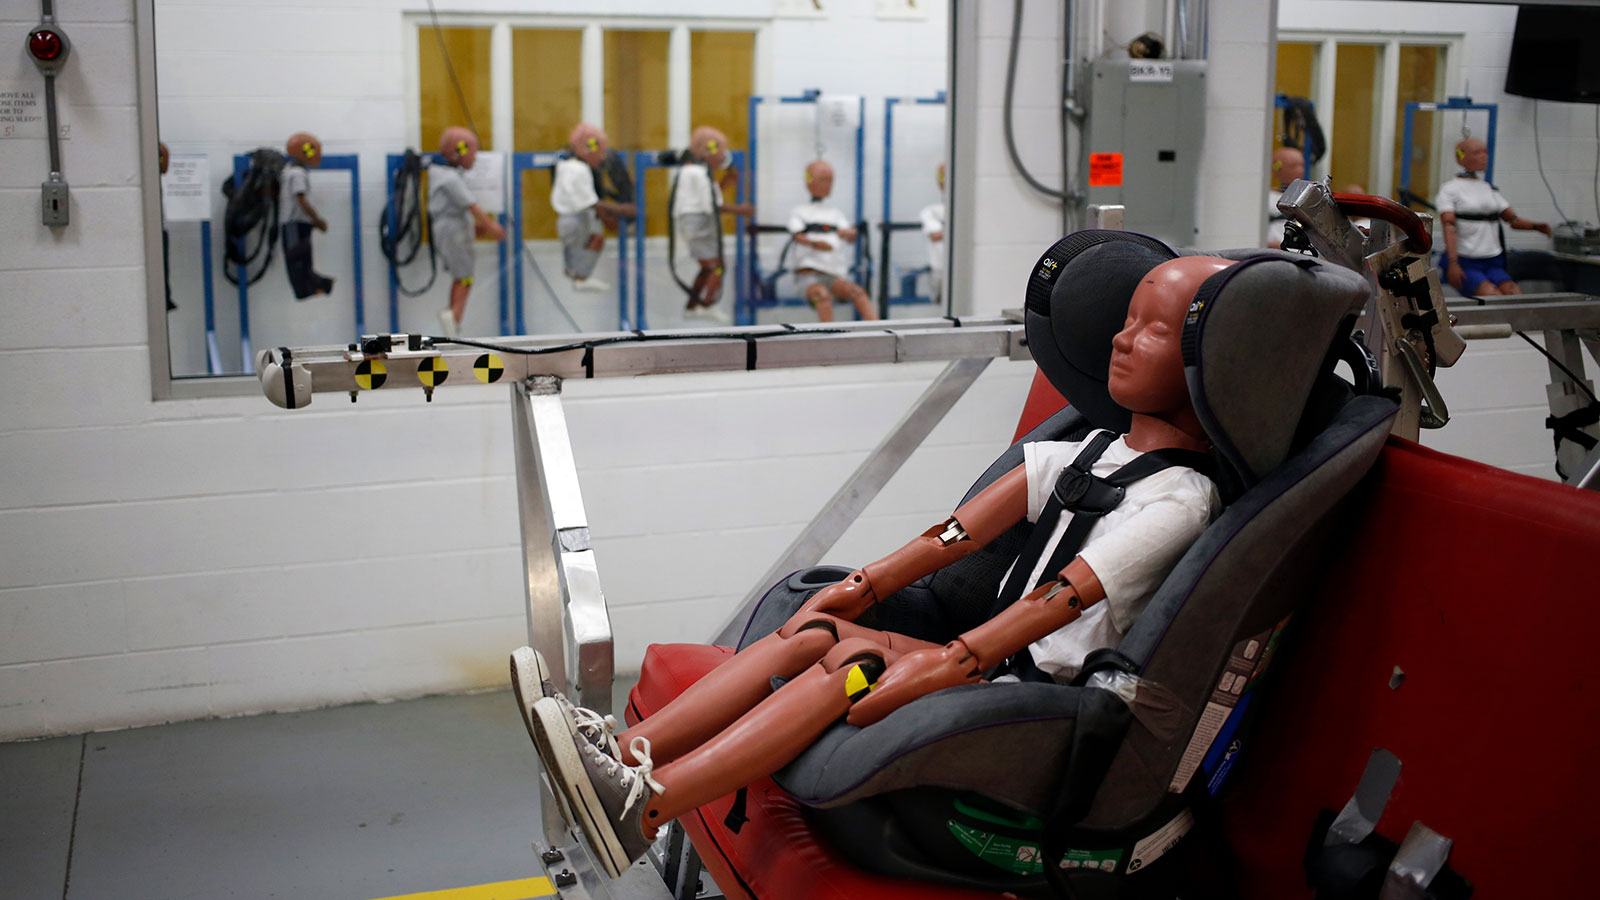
x=521 y=889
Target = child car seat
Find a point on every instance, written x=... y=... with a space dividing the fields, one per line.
x=1116 y=762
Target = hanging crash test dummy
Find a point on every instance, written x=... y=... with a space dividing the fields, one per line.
x=300 y=217
x=1088 y=586
x=696 y=208
x=820 y=231
x=580 y=212
x=1288 y=166
x=456 y=221
x=1471 y=211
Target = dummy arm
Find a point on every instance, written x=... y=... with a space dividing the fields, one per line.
x=1452 y=270
x=1048 y=607
x=977 y=522
x=1521 y=224
x=317 y=222
x=486 y=227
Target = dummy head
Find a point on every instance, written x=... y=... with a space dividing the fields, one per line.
x=304 y=148
x=710 y=146
x=1472 y=154
x=819 y=179
x=589 y=144
x=163 y=157
x=1146 y=375
x=1288 y=164
x=459 y=146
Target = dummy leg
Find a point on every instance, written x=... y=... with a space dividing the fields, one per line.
x=711 y=287
x=853 y=292
x=458 y=298
x=619 y=807
x=738 y=685
x=1506 y=287
x=822 y=301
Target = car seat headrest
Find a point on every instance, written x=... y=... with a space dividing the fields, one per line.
x=1077 y=301
x=1258 y=336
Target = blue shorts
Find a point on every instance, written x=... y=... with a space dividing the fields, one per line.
x=1477 y=270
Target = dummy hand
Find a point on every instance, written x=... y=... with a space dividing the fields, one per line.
x=1454 y=275
x=597 y=242
x=1542 y=227
x=606 y=218
x=492 y=231
x=847 y=599
x=936 y=236
x=915 y=675
x=849 y=234
x=320 y=224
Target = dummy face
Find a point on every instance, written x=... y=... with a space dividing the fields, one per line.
x=1146 y=373
x=710 y=145
x=819 y=179
x=1288 y=164
x=1473 y=155
x=164 y=157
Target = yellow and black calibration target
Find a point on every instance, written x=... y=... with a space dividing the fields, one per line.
x=371 y=374
x=863 y=677
x=432 y=371
x=489 y=368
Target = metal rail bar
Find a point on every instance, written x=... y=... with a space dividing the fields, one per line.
x=608 y=354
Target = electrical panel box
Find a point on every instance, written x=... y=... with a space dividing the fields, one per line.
x=1141 y=150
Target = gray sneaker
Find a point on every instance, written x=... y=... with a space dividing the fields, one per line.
x=531 y=680
x=608 y=797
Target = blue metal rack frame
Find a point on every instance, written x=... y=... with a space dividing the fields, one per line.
x=887 y=226
x=525 y=162
x=1451 y=104
x=645 y=160
x=1281 y=101
x=348 y=162
x=392 y=165
x=747 y=299
x=213 y=351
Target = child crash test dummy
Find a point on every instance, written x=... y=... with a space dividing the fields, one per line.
x=819 y=232
x=456 y=221
x=1076 y=590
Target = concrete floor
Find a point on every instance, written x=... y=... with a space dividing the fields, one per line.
x=352 y=803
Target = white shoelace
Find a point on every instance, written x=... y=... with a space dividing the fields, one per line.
x=591 y=723
x=636 y=777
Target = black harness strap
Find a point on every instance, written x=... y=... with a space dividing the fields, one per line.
x=1089 y=498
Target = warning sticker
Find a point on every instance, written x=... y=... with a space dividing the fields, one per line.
x=1165 y=838
x=1105 y=170
x=489 y=368
x=433 y=371
x=1247 y=661
x=1009 y=853
x=371 y=374
x=1104 y=860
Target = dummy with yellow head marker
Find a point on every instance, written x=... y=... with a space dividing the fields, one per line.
x=710 y=146
x=305 y=149
x=459 y=146
x=589 y=143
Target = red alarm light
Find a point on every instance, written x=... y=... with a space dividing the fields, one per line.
x=44 y=44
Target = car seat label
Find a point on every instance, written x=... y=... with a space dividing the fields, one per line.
x=1013 y=854
x=1165 y=838
x=1245 y=664
x=1104 y=860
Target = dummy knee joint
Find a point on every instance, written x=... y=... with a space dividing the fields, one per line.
x=861 y=660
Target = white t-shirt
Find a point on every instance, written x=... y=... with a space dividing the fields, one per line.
x=932 y=217
x=833 y=261
x=695 y=188
x=1131 y=549
x=449 y=203
x=572 y=187
x=1274 y=225
x=294 y=180
x=1479 y=240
